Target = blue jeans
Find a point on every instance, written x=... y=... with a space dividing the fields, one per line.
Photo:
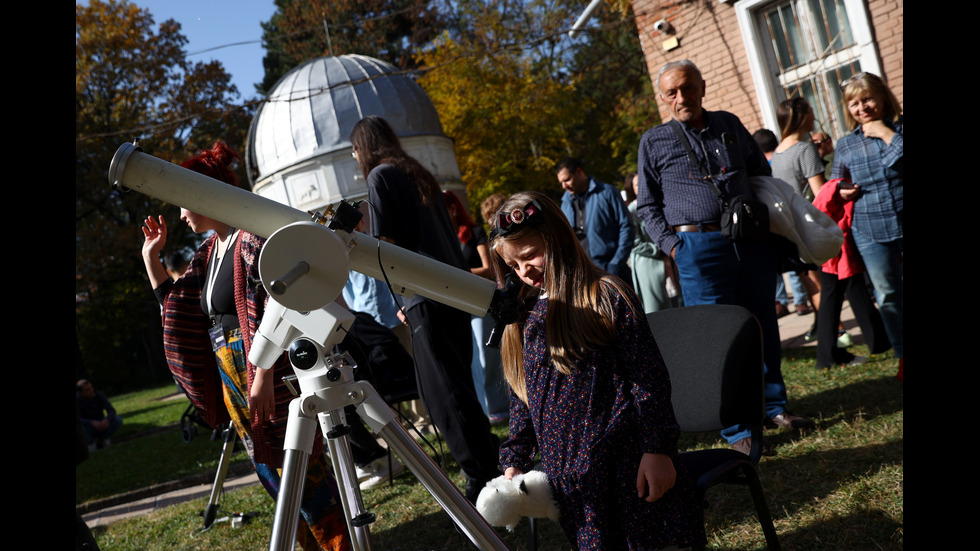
x=781 y=296
x=487 y=370
x=799 y=291
x=713 y=270
x=92 y=436
x=884 y=264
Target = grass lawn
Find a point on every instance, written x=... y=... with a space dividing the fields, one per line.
x=838 y=486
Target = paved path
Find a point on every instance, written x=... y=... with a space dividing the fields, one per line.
x=792 y=327
x=146 y=505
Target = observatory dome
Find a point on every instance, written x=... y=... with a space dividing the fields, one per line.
x=298 y=150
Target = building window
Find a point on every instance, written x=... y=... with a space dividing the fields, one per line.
x=806 y=48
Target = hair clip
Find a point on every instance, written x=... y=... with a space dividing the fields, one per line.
x=508 y=222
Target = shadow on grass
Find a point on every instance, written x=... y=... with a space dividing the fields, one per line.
x=867 y=399
x=836 y=486
x=438 y=531
x=865 y=529
x=796 y=486
x=793 y=483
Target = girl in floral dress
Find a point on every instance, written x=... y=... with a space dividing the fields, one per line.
x=590 y=392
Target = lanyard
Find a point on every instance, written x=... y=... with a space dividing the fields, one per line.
x=215 y=267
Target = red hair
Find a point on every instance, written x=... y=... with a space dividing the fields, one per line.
x=216 y=163
x=464 y=223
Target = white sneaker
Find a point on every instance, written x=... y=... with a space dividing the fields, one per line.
x=844 y=340
x=376 y=472
x=362 y=474
x=858 y=360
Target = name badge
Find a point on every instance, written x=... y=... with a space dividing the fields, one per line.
x=217 y=335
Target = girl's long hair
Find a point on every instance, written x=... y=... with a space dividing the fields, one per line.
x=790 y=115
x=580 y=316
x=375 y=143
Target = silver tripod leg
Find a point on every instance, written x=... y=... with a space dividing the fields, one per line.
x=382 y=420
x=324 y=398
x=335 y=389
x=300 y=432
x=358 y=520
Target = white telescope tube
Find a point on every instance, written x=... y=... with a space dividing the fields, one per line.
x=408 y=272
x=174 y=184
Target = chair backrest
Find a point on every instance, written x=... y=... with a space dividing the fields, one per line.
x=713 y=353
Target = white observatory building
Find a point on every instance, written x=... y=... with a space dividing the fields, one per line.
x=298 y=151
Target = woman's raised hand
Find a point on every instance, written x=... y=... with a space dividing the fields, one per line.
x=155 y=236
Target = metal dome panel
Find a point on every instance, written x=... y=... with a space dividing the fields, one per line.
x=298 y=150
x=312 y=109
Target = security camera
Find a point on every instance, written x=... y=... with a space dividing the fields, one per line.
x=663 y=26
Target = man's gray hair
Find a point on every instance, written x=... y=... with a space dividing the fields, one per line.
x=685 y=64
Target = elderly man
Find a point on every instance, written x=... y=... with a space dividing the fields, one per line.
x=599 y=216
x=682 y=215
x=826 y=148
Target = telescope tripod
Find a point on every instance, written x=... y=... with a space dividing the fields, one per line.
x=327 y=386
x=304 y=265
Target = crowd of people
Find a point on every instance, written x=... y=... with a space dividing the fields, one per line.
x=578 y=377
x=859 y=185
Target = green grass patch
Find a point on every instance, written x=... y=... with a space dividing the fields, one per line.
x=148 y=449
x=837 y=486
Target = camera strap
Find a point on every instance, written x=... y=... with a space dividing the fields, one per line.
x=706 y=176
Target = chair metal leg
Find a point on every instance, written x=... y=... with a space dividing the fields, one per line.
x=762 y=509
x=532 y=531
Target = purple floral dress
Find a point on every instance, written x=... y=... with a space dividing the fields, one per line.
x=591 y=429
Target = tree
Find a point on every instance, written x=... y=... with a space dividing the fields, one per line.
x=615 y=88
x=301 y=30
x=132 y=80
x=513 y=91
x=494 y=83
x=517 y=95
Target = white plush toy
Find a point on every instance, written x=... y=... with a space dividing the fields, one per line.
x=503 y=502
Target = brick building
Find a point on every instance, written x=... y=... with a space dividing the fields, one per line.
x=755 y=53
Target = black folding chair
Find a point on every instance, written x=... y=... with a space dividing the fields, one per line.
x=714 y=356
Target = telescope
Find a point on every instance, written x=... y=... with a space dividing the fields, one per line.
x=304 y=265
x=330 y=253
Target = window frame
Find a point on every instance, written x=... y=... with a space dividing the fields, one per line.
x=758 y=49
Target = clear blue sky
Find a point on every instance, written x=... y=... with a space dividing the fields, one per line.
x=224 y=30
